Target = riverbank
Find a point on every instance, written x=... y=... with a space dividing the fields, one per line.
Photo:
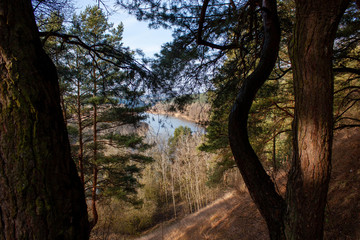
x=195 y=112
x=178 y=115
x=165 y=124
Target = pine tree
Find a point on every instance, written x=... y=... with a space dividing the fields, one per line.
x=106 y=106
x=231 y=27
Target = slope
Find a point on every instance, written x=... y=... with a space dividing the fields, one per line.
x=234 y=216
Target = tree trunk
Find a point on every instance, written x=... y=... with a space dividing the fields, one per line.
x=41 y=196
x=94 y=198
x=311 y=53
x=261 y=188
x=95 y=153
x=173 y=189
x=63 y=108
x=275 y=164
x=80 y=134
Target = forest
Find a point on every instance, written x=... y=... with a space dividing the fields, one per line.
x=273 y=88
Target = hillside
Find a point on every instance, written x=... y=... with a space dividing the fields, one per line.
x=343 y=213
x=234 y=216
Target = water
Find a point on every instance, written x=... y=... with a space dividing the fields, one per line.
x=163 y=125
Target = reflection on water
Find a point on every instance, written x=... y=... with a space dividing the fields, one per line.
x=166 y=125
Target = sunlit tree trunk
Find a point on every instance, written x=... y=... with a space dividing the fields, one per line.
x=80 y=127
x=301 y=214
x=80 y=134
x=275 y=164
x=311 y=53
x=164 y=164
x=41 y=195
x=63 y=108
x=173 y=189
x=95 y=153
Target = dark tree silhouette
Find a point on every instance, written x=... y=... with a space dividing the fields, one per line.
x=41 y=196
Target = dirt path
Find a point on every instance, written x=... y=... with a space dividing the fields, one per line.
x=234 y=216
x=216 y=221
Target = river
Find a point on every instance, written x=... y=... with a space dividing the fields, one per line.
x=164 y=125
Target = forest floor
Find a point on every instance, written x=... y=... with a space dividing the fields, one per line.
x=234 y=216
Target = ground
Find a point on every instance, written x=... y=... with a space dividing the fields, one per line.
x=234 y=216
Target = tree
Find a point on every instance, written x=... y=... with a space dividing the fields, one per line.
x=221 y=25
x=269 y=120
x=179 y=170
x=347 y=74
x=104 y=102
x=312 y=154
x=41 y=196
x=311 y=54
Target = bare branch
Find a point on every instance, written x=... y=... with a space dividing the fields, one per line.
x=347 y=70
x=109 y=54
x=347 y=126
x=199 y=39
x=283 y=73
x=347 y=88
x=283 y=109
x=338 y=117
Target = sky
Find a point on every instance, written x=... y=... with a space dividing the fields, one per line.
x=136 y=34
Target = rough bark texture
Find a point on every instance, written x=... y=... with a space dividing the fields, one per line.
x=261 y=188
x=41 y=196
x=301 y=215
x=311 y=53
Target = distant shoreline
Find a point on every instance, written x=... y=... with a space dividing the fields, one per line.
x=174 y=114
x=195 y=112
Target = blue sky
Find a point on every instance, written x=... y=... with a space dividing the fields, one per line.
x=136 y=34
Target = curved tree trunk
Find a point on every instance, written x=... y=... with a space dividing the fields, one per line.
x=261 y=188
x=301 y=215
x=311 y=53
x=41 y=196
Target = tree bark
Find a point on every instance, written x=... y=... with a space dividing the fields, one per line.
x=311 y=52
x=80 y=135
x=95 y=152
x=173 y=189
x=95 y=216
x=262 y=190
x=41 y=195
x=275 y=164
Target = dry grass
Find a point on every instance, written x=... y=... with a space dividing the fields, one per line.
x=234 y=216
x=217 y=221
x=343 y=210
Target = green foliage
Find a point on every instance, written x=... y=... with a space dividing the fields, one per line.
x=96 y=100
x=217 y=173
x=346 y=68
x=178 y=133
x=270 y=115
x=72 y=131
x=100 y=91
x=184 y=67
